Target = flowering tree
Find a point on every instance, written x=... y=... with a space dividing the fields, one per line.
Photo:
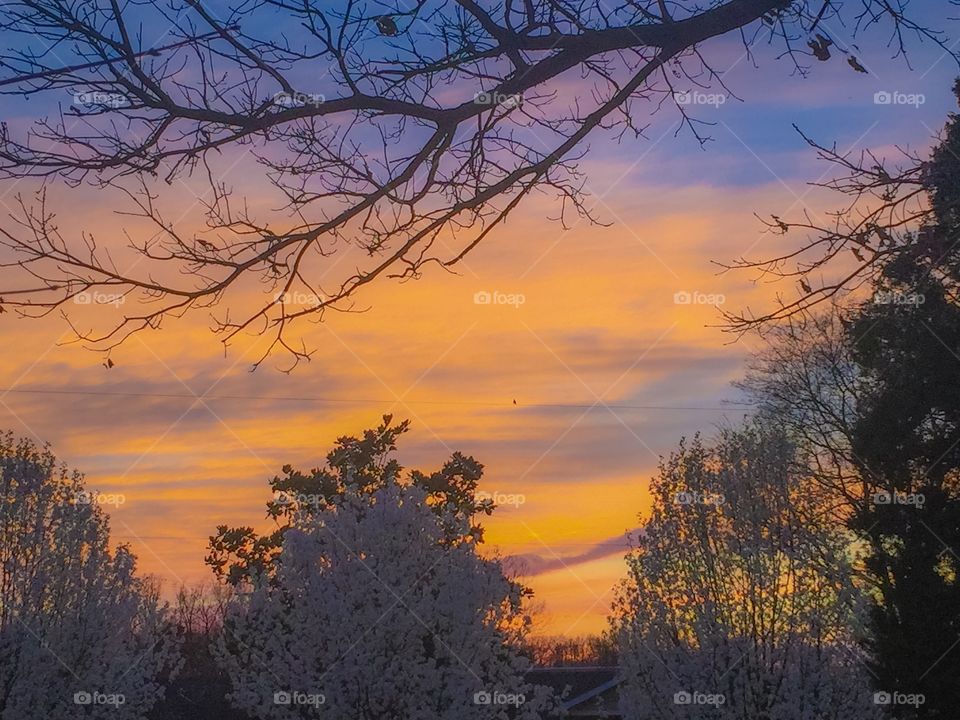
x=375 y=615
x=357 y=466
x=80 y=634
x=739 y=601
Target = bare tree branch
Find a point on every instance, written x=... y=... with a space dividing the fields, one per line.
x=396 y=135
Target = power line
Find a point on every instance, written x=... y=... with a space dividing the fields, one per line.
x=364 y=401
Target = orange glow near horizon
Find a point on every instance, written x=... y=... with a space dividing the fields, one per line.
x=598 y=326
x=567 y=398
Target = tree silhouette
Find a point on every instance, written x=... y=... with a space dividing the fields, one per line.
x=867 y=390
x=895 y=212
x=907 y=434
x=355 y=469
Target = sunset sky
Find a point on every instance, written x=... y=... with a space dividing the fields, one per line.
x=567 y=398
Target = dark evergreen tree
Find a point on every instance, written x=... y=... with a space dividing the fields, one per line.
x=907 y=440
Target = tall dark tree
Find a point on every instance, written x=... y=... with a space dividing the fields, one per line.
x=871 y=391
x=907 y=436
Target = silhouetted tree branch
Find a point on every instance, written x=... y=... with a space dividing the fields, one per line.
x=895 y=213
x=396 y=135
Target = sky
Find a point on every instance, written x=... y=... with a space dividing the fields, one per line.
x=568 y=387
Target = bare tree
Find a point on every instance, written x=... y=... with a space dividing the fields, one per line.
x=806 y=380
x=885 y=205
x=429 y=124
x=896 y=211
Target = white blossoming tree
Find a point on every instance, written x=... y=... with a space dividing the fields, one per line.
x=739 y=601
x=375 y=612
x=81 y=636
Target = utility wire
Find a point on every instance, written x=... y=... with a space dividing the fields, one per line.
x=282 y=398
